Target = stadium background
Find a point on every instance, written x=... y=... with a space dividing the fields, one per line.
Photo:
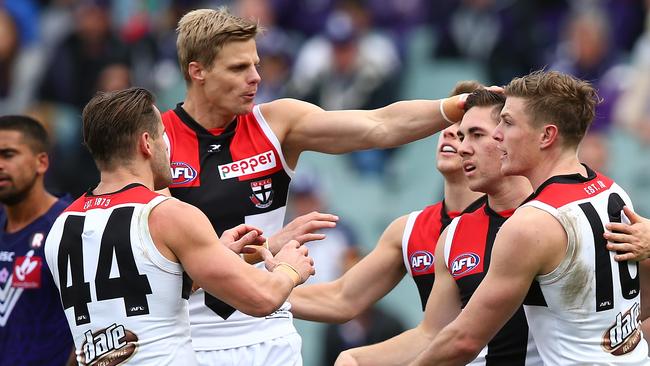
x=341 y=54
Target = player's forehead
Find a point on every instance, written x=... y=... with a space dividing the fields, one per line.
x=477 y=119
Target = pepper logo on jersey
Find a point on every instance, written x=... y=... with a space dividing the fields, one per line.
x=262 y=196
x=624 y=335
x=464 y=263
x=254 y=164
x=27 y=271
x=182 y=172
x=110 y=346
x=421 y=261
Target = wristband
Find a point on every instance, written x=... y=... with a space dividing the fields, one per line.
x=290 y=271
x=266 y=245
x=442 y=112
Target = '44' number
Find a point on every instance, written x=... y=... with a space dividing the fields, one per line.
x=130 y=285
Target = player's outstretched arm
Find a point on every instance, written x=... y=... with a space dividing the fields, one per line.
x=302 y=126
x=503 y=289
x=631 y=241
x=361 y=286
x=182 y=231
x=443 y=306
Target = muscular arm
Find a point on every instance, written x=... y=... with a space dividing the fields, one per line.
x=189 y=236
x=361 y=286
x=503 y=289
x=302 y=126
x=443 y=306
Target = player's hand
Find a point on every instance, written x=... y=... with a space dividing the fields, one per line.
x=345 y=359
x=237 y=238
x=295 y=255
x=630 y=241
x=302 y=229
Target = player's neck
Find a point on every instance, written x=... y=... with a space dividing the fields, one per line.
x=36 y=204
x=115 y=179
x=562 y=163
x=204 y=113
x=458 y=196
x=509 y=193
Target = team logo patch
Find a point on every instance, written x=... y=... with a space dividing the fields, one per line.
x=624 y=335
x=110 y=346
x=464 y=263
x=254 y=164
x=27 y=271
x=182 y=172
x=37 y=240
x=421 y=261
x=262 y=196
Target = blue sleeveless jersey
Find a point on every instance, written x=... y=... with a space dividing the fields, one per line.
x=33 y=327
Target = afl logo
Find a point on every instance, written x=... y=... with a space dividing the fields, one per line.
x=464 y=263
x=182 y=172
x=421 y=261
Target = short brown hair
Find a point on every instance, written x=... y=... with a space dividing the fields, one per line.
x=486 y=98
x=112 y=121
x=466 y=86
x=565 y=100
x=203 y=32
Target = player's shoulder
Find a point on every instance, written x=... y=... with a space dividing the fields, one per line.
x=287 y=108
x=531 y=223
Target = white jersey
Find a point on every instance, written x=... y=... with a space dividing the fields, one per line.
x=588 y=313
x=126 y=304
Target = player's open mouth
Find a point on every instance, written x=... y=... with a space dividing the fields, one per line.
x=446 y=148
x=468 y=167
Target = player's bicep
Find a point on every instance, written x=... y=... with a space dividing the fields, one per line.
x=513 y=267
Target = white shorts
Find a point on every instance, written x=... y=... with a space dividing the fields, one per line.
x=281 y=351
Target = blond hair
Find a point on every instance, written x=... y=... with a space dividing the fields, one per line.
x=561 y=99
x=203 y=32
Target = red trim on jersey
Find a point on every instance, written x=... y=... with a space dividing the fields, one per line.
x=468 y=244
x=421 y=245
x=135 y=194
x=184 y=158
x=250 y=140
x=560 y=194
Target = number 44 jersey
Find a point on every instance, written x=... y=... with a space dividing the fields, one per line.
x=589 y=314
x=125 y=302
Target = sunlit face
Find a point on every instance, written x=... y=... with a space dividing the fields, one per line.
x=160 y=162
x=20 y=167
x=478 y=150
x=447 y=158
x=517 y=139
x=231 y=83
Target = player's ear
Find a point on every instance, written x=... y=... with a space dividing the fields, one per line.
x=42 y=162
x=196 y=72
x=145 y=144
x=548 y=136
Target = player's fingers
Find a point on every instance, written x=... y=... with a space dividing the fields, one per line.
x=617 y=227
x=624 y=257
x=618 y=237
x=306 y=238
x=634 y=218
x=620 y=247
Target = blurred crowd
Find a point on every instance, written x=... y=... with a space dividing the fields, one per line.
x=55 y=54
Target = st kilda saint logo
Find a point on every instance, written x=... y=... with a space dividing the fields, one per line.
x=262 y=196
